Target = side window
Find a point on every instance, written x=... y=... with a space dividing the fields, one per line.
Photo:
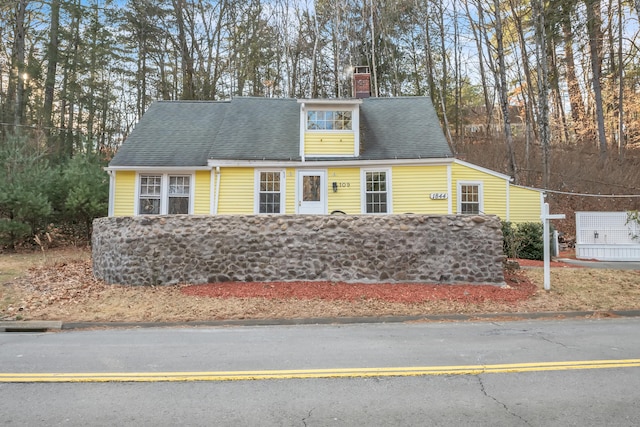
x=376 y=193
x=270 y=192
x=150 y=194
x=470 y=198
x=164 y=194
x=178 y=195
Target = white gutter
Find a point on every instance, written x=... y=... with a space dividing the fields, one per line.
x=163 y=169
x=330 y=163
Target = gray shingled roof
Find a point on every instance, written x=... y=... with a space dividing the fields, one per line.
x=401 y=128
x=188 y=133
x=257 y=129
x=173 y=133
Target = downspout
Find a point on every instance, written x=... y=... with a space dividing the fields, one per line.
x=216 y=196
x=450 y=190
x=508 y=199
x=112 y=184
x=303 y=121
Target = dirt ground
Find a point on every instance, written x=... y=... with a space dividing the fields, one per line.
x=59 y=285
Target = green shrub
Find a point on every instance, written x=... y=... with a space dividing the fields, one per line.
x=523 y=240
x=25 y=179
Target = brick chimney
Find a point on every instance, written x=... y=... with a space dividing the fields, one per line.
x=361 y=82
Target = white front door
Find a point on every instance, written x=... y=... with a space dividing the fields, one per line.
x=312 y=192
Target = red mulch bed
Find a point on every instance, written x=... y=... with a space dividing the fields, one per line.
x=518 y=288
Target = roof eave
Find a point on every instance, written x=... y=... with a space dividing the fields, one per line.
x=329 y=163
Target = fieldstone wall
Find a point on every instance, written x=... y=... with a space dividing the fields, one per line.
x=163 y=250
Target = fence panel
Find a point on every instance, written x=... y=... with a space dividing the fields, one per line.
x=607 y=236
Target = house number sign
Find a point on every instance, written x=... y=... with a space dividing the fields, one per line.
x=439 y=196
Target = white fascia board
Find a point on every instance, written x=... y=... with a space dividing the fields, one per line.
x=541 y=190
x=146 y=169
x=482 y=169
x=329 y=163
x=330 y=101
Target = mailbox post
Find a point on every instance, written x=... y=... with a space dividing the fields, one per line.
x=547 y=250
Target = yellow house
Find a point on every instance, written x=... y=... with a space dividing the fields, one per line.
x=311 y=156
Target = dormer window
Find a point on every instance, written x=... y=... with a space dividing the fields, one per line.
x=329 y=128
x=329 y=120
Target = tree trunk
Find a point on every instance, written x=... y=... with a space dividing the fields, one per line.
x=621 y=134
x=52 y=64
x=575 y=95
x=543 y=88
x=314 y=58
x=188 y=91
x=374 y=64
x=595 y=40
x=477 y=30
x=18 y=65
x=504 y=100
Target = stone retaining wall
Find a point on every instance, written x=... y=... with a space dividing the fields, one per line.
x=163 y=250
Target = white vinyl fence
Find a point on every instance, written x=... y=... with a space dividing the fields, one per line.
x=607 y=236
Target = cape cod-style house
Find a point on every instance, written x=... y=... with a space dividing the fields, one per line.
x=304 y=156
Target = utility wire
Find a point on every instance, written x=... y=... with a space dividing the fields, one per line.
x=619 y=196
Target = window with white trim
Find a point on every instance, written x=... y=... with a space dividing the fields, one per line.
x=179 y=195
x=150 y=194
x=376 y=191
x=470 y=198
x=270 y=192
x=164 y=194
x=329 y=120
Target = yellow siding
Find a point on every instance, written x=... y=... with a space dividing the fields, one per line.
x=125 y=193
x=524 y=205
x=236 y=191
x=329 y=143
x=494 y=189
x=347 y=198
x=202 y=193
x=412 y=188
x=290 y=192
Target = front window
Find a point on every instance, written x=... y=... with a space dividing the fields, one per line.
x=164 y=194
x=150 y=194
x=470 y=199
x=270 y=195
x=328 y=120
x=376 y=192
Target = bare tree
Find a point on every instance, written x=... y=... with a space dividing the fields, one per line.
x=594 y=24
x=543 y=88
x=503 y=90
x=18 y=62
x=52 y=64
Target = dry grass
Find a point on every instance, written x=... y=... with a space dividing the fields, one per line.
x=59 y=286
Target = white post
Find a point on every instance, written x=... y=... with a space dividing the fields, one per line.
x=545 y=239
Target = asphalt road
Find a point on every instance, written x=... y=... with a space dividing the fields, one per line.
x=527 y=373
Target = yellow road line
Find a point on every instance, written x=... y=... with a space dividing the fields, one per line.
x=313 y=373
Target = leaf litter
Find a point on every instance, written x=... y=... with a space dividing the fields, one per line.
x=67 y=290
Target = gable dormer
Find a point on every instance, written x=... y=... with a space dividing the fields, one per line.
x=329 y=128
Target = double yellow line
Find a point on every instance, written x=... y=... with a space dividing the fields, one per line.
x=312 y=373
